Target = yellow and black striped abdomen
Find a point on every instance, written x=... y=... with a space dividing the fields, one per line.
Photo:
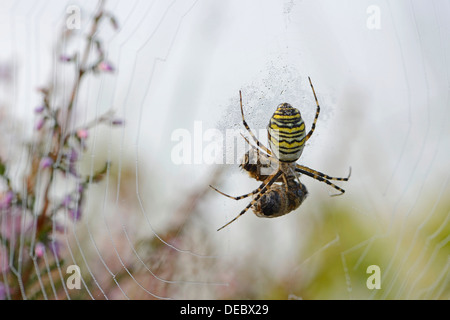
x=286 y=131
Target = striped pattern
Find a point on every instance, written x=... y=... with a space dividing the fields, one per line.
x=286 y=132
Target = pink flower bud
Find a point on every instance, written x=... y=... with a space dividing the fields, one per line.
x=6 y=199
x=105 y=66
x=64 y=58
x=39 y=249
x=82 y=133
x=46 y=162
x=40 y=124
x=39 y=109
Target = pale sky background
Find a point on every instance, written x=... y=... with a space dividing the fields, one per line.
x=384 y=94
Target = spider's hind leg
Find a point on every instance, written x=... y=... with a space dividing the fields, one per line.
x=239 y=197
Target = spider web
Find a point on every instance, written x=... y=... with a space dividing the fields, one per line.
x=148 y=228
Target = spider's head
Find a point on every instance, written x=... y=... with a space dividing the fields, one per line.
x=286 y=109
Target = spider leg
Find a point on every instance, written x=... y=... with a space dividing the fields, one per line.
x=313 y=127
x=237 y=198
x=254 y=191
x=259 y=144
x=261 y=155
x=314 y=172
x=259 y=150
x=285 y=183
x=322 y=177
x=295 y=174
x=263 y=189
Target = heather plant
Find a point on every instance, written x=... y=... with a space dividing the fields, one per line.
x=34 y=209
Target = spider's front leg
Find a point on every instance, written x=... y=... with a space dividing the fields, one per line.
x=313 y=126
x=259 y=144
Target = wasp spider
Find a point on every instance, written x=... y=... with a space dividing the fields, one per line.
x=287 y=138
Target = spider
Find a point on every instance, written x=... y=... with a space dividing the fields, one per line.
x=279 y=199
x=287 y=138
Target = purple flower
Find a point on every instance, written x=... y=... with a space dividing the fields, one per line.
x=73 y=170
x=40 y=124
x=39 y=249
x=46 y=162
x=6 y=199
x=59 y=228
x=3 y=291
x=39 y=109
x=117 y=122
x=55 y=248
x=75 y=214
x=73 y=155
x=13 y=224
x=64 y=58
x=105 y=66
x=66 y=201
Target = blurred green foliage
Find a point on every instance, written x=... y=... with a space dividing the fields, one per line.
x=412 y=253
